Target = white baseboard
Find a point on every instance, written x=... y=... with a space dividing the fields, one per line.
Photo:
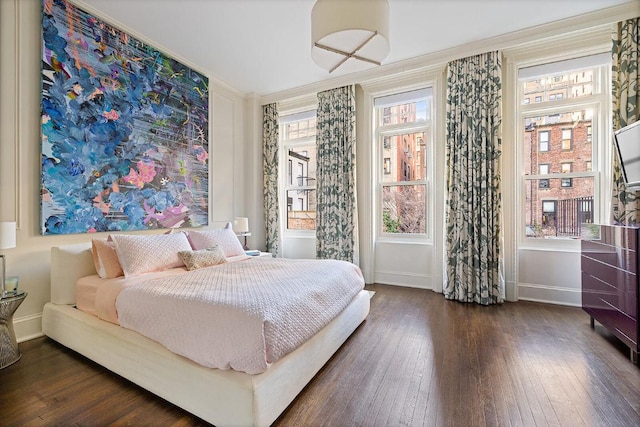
x=409 y=280
x=550 y=294
x=28 y=327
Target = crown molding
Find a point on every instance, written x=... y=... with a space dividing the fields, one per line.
x=553 y=32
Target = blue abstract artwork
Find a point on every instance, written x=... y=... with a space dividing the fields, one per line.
x=124 y=130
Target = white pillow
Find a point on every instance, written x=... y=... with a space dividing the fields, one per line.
x=143 y=254
x=223 y=237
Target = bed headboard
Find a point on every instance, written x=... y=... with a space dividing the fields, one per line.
x=68 y=264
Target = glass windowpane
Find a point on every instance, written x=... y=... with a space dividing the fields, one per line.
x=403 y=209
x=403 y=157
x=559 y=209
x=559 y=86
x=546 y=142
x=301 y=209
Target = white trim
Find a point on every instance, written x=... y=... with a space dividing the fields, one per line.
x=552 y=34
x=28 y=327
x=297 y=117
x=402 y=97
x=410 y=280
x=568 y=65
x=550 y=294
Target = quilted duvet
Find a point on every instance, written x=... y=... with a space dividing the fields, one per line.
x=242 y=315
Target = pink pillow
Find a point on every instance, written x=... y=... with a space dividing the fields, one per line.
x=105 y=259
x=223 y=237
x=141 y=254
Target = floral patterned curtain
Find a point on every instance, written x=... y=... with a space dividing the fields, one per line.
x=270 y=170
x=335 y=186
x=624 y=74
x=474 y=256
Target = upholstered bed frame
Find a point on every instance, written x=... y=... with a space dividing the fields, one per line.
x=223 y=398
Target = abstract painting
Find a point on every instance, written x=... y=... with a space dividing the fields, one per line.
x=124 y=130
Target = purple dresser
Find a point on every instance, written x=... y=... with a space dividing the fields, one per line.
x=610 y=280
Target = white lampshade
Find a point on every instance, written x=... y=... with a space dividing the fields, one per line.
x=241 y=225
x=7 y=235
x=350 y=34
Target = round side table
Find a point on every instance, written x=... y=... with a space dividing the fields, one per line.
x=9 y=352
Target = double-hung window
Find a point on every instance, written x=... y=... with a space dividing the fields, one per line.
x=298 y=145
x=560 y=140
x=403 y=135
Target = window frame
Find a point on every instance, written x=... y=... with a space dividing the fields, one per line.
x=382 y=133
x=598 y=102
x=289 y=176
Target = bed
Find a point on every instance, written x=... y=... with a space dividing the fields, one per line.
x=221 y=397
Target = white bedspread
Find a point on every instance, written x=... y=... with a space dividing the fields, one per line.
x=243 y=315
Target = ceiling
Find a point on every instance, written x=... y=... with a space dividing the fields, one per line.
x=264 y=46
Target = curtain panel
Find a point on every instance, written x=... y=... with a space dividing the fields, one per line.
x=335 y=174
x=473 y=246
x=624 y=75
x=270 y=136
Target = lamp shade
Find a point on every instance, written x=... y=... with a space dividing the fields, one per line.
x=351 y=34
x=7 y=235
x=241 y=225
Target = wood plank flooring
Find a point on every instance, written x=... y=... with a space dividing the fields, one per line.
x=418 y=360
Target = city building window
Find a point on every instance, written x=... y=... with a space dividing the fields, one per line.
x=566 y=139
x=566 y=182
x=538 y=98
x=527 y=101
x=402 y=133
x=543 y=137
x=559 y=180
x=298 y=146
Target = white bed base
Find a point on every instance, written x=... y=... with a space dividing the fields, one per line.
x=223 y=398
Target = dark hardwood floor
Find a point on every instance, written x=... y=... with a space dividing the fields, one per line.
x=418 y=360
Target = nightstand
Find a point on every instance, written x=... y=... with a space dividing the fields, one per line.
x=9 y=352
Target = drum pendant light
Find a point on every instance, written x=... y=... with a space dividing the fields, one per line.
x=351 y=34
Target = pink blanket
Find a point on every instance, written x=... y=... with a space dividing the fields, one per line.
x=243 y=315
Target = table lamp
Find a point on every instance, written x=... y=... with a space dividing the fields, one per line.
x=7 y=241
x=241 y=227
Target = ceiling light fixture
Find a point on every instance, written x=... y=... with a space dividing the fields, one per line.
x=352 y=34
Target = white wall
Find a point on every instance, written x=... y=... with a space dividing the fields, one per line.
x=546 y=272
x=20 y=33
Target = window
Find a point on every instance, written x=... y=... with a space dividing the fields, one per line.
x=559 y=180
x=402 y=133
x=543 y=137
x=538 y=99
x=566 y=139
x=298 y=144
x=549 y=208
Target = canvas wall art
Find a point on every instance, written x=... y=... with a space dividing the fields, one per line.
x=124 y=130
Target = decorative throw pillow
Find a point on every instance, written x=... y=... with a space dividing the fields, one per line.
x=105 y=259
x=223 y=237
x=143 y=254
x=203 y=258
